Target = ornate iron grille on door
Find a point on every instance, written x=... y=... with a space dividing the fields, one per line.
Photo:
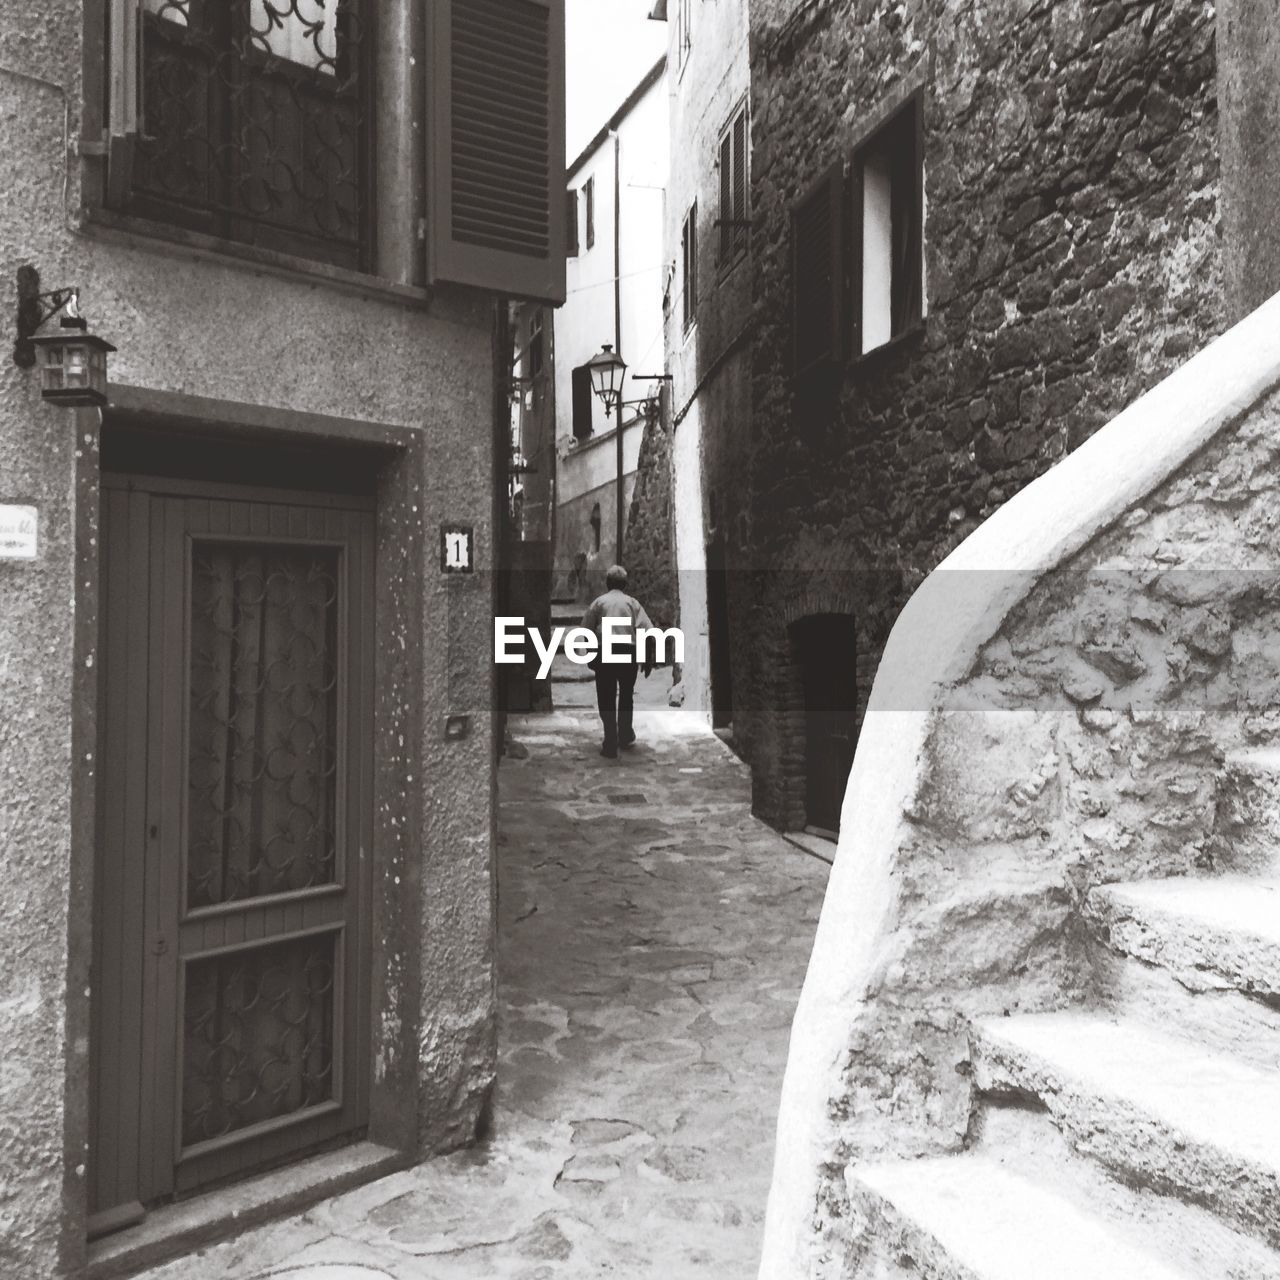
x=263 y=731
x=256 y=122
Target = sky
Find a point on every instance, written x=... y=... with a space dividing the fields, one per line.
x=610 y=46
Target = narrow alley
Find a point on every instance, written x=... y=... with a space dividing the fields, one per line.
x=653 y=940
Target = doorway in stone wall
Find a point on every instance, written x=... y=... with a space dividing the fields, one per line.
x=824 y=646
x=718 y=636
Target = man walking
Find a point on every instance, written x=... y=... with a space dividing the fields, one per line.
x=616 y=681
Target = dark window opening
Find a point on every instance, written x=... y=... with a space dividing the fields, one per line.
x=582 y=403
x=589 y=199
x=888 y=209
x=571 y=223
x=689 y=265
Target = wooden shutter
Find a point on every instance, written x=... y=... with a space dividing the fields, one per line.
x=739 y=214
x=571 y=223
x=495 y=152
x=582 y=396
x=726 y=196
x=817 y=273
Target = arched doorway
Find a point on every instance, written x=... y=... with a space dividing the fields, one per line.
x=824 y=646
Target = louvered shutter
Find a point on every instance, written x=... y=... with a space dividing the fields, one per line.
x=817 y=273
x=727 y=232
x=740 y=181
x=496 y=146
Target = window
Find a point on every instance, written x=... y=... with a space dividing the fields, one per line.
x=582 y=403
x=888 y=212
x=689 y=268
x=589 y=199
x=817 y=274
x=684 y=31
x=571 y=223
x=595 y=527
x=256 y=123
x=253 y=122
x=734 y=190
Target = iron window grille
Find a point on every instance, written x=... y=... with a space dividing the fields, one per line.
x=256 y=123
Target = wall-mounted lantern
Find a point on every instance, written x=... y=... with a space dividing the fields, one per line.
x=72 y=361
x=608 y=369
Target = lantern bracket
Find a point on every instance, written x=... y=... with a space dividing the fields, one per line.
x=35 y=309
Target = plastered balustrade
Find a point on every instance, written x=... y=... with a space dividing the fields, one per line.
x=1053 y=712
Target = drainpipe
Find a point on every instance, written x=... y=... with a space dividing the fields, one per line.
x=617 y=327
x=399 y=116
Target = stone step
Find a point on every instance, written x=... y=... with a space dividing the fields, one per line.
x=1157 y=1111
x=1222 y=932
x=970 y=1218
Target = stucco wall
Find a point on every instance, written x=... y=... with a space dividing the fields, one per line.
x=1072 y=258
x=710 y=360
x=1045 y=720
x=227 y=331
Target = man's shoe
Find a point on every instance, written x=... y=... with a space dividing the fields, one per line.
x=609 y=752
x=624 y=743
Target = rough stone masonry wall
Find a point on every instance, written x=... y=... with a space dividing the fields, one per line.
x=650 y=554
x=1072 y=259
x=1085 y=746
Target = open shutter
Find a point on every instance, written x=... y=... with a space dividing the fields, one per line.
x=739 y=215
x=727 y=231
x=124 y=95
x=495 y=159
x=817 y=274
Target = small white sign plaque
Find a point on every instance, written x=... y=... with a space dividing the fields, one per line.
x=18 y=528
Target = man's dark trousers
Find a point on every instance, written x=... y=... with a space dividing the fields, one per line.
x=615 y=689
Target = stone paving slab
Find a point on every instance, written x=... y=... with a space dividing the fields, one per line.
x=651 y=950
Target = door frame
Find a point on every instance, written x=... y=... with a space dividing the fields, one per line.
x=396 y=898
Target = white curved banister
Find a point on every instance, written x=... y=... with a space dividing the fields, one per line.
x=932 y=647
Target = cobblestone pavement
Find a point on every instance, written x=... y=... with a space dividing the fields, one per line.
x=653 y=941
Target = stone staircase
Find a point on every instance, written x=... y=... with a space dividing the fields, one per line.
x=1133 y=1138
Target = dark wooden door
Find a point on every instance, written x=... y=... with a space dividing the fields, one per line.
x=231 y=949
x=718 y=636
x=825 y=646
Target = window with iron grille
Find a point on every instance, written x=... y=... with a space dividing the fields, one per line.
x=684 y=31
x=252 y=121
x=887 y=181
x=256 y=123
x=734 y=190
x=689 y=265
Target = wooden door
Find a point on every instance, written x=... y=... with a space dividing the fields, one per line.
x=825 y=646
x=230 y=1002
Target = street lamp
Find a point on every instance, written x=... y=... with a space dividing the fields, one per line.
x=608 y=369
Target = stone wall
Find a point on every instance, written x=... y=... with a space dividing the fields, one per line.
x=650 y=555
x=1043 y=722
x=1072 y=259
